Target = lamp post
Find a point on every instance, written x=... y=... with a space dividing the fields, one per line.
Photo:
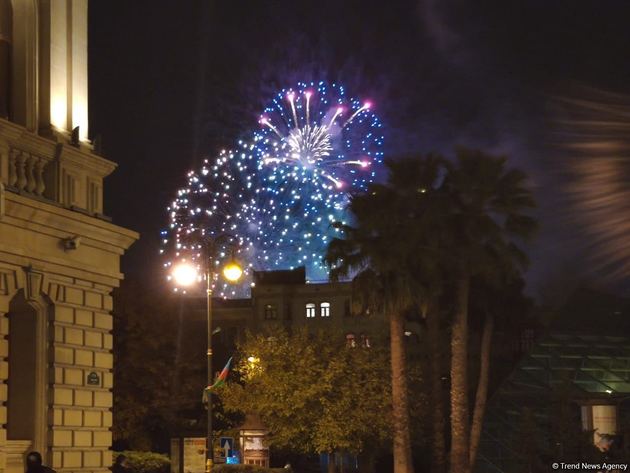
x=186 y=274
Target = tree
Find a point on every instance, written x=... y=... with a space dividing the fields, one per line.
x=392 y=254
x=500 y=301
x=422 y=204
x=314 y=394
x=388 y=290
x=420 y=239
x=158 y=382
x=489 y=216
x=141 y=363
x=435 y=338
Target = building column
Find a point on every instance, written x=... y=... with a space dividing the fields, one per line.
x=81 y=416
x=6 y=35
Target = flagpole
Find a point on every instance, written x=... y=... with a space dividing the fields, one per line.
x=209 y=279
x=186 y=274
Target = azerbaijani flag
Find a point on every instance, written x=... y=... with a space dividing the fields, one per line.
x=220 y=381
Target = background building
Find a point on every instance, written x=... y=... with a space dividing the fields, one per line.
x=284 y=299
x=566 y=398
x=59 y=255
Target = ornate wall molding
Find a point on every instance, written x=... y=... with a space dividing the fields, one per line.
x=8 y=282
x=34 y=284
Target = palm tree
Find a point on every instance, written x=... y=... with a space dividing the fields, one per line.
x=384 y=249
x=419 y=182
x=384 y=288
x=488 y=220
x=433 y=225
x=431 y=313
x=501 y=300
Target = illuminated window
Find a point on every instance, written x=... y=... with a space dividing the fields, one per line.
x=271 y=312
x=324 y=309
x=365 y=341
x=350 y=341
x=310 y=310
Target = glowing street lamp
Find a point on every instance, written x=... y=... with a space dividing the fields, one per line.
x=186 y=274
x=232 y=272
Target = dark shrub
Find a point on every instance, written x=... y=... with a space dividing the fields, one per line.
x=146 y=462
x=247 y=469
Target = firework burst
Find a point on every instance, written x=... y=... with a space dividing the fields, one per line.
x=315 y=129
x=279 y=192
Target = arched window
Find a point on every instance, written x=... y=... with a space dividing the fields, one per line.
x=6 y=38
x=324 y=309
x=27 y=386
x=310 y=310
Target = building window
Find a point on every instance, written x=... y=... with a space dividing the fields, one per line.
x=365 y=341
x=324 y=309
x=310 y=310
x=350 y=341
x=271 y=312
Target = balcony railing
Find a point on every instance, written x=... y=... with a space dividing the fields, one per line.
x=52 y=168
x=26 y=172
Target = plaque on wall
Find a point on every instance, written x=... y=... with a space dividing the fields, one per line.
x=93 y=379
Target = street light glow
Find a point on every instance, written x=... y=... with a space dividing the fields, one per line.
x=185 y=274
x=232 y=272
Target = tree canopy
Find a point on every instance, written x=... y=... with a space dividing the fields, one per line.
x=418 y=241
x=314 y=393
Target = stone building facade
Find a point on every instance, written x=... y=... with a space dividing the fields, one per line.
x=59 y=255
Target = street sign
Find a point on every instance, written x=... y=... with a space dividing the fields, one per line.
x=227 y=446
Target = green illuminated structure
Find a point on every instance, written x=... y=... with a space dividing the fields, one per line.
x=567 y=394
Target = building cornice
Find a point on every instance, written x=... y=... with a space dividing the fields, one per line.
x=83 y=157
x=29 y=213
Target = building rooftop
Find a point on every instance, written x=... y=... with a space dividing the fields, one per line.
x=283 y=276
x=231 y=303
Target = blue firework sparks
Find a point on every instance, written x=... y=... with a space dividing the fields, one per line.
x=279 y=192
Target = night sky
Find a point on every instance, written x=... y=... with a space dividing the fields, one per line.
x=173 y=82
